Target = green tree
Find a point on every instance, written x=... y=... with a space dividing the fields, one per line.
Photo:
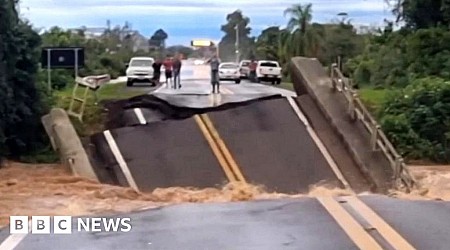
x=302 y=39
x=228 y=41
x=158 y=40
x=267 y=44
x=20 y=100
x=341 y=39
x=419 y=14
x=284 y=46
x=417 y=119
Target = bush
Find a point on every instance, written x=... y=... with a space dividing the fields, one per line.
x=21 y=105
x=396 y=59
x=417 y=119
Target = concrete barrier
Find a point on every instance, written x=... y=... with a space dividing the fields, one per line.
x=309 y=77
x=66 y=142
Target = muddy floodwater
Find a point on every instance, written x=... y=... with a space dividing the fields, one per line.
x=51 y=190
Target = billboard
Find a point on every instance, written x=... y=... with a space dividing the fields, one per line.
x=201 y=43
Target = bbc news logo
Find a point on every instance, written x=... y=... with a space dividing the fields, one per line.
x=64 y=224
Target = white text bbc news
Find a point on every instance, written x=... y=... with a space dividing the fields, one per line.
x=65 y=224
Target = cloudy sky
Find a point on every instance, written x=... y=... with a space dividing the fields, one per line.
x=187 y=19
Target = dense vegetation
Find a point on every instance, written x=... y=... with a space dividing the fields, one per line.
x=21 y=104
x=412 y=65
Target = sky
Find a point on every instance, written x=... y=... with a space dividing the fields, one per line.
x=185 y=20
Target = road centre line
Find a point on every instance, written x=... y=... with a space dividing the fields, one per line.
x=140 y=116
x=385 y=230
x=119 y=158
x=352 y=228
x=319 y=144
x=232 y=163
x=215 y=148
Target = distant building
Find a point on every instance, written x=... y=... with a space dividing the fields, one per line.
x=90 y=33
x=139 y=42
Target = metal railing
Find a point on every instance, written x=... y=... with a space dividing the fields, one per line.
x=358 y=112
x=92 y=83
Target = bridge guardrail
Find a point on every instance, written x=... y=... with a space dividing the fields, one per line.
x=358 y=112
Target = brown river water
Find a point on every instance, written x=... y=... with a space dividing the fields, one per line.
x=51 y=190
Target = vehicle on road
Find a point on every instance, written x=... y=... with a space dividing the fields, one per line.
x=229 y=72
x=244 y=68
x=268 y=71
x=199 y=62
x=140 y=69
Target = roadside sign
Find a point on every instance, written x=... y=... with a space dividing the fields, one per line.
x=62 y=57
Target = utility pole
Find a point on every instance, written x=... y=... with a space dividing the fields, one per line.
x=218 y=50
x=237 y=42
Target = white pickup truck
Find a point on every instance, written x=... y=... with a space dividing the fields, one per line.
x=140 y=69
x=268 y=71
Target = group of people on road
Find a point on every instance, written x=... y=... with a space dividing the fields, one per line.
x=172 y=68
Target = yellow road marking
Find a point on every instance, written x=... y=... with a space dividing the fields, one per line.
x=223 y=163
x=351 y=227
x=223 y=148
x=388 y=233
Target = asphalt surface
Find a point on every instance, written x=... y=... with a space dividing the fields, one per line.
x=425 y=224
x=165 y=154
x=266 y=138
x=272 y=146
x=278 y=224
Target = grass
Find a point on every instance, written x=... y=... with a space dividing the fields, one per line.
x=373 y=98
x=94 y=116
x=286 y=85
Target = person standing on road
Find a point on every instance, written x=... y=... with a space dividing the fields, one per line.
x=156 y=71
x=215 y=81
x=168 y=70
x=177 y=71
x=252 y=68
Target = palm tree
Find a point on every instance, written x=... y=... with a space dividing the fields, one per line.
x=299 y=26
x=284 y=46
x=300 y=17
x=315 y=40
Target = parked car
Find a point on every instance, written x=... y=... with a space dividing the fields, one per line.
x=229 y=72
x=268 y=71
x=140 y=70
x=244 y=68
